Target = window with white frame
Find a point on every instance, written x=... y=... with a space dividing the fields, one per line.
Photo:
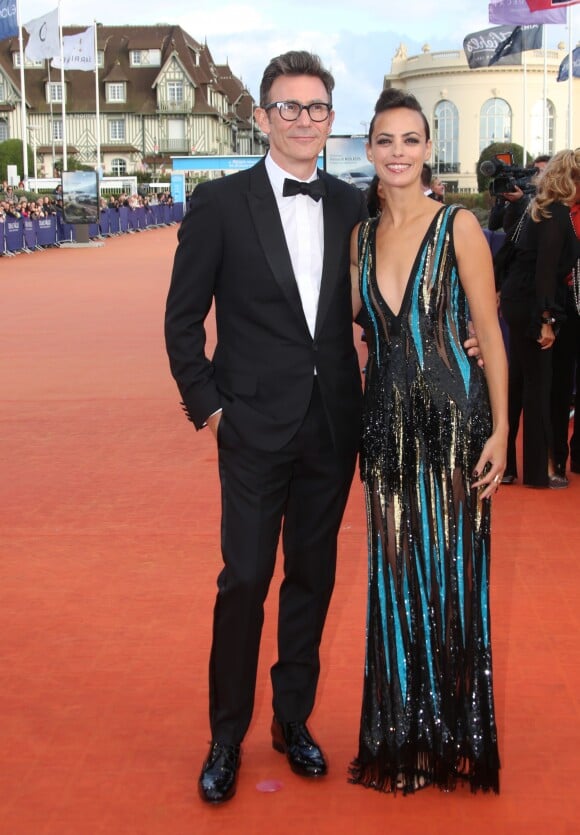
x=118 y=167
x=2 y=89
x=145 y=57
x=3 y=130
x=27 y=61
x=116 y=130
x=542 y=128
x=175 y=92
x=116 y=91
x=56 y=131
x=446 y=137
x=54 y=92
x=100 y=58
x=495 y=123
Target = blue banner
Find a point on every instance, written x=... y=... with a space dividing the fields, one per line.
x=8 y=19
x=564 y=71
x=178 y=187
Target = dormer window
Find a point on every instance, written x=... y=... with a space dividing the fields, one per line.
x=145 y=57
x=54 y=92
x=116 y=91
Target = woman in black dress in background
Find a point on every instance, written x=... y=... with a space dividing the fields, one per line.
x=533 y=299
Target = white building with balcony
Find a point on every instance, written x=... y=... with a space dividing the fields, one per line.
x=160 y=94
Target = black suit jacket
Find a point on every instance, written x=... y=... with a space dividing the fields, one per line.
x=232 y=250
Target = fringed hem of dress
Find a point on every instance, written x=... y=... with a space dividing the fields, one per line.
x=407 y=780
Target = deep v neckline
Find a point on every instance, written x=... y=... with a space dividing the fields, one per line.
x=410 y=279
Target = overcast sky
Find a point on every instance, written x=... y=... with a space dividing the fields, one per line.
x=356 y=40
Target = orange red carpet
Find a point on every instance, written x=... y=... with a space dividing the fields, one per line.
x=109 y=516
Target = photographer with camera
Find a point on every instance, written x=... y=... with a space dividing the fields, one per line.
x=533 y=296
x=511 y=204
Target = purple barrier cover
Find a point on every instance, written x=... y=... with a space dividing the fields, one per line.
x=66 y=231
x=114 y=222
x=13 y=229
x=123 y=218
x=29 y=229
x=46 y=231
x=131 y=218
x=104 y=221
x=178 y=212
x=140 y=217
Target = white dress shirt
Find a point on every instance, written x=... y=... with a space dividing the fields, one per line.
x=303 y=224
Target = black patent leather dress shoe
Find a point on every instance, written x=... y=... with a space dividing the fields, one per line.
x=217 y=781
x=302 y=752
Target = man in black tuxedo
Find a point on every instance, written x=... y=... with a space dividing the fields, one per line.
x=282 y=395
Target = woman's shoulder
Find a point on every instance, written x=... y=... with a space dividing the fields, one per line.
x=461 y=220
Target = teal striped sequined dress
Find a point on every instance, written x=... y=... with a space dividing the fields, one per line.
x=427 y=713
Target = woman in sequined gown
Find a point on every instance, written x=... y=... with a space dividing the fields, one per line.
x=432 y=456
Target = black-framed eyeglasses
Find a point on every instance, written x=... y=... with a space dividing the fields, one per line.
x=318 y=111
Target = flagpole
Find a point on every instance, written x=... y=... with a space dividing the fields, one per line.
x=545 y=111
x=525 y=107
x=570 y=78
x=97 y=107
x=23 y=106
x=51 y=117
x=63 y=95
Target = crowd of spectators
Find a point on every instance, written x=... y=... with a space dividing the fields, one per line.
x=134 y=201
x=14 y=204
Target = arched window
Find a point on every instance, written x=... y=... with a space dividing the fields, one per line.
x=446 y=137
x=495 y=124
x=119 y=167
x=3 y=130
x=542 y=128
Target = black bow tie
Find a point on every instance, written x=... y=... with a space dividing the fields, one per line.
x=316 y=189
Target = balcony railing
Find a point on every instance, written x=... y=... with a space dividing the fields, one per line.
x=164 y=106
x=174 y=146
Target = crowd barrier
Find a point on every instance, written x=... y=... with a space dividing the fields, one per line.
x=25 y=235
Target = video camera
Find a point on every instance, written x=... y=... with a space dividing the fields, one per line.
x=507 y=177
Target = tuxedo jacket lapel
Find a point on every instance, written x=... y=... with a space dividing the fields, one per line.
x=330 y=267
x=264 y=212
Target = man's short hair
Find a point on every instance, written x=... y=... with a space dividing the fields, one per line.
x=294 y=63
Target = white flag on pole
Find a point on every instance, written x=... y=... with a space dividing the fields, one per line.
x=44 y=41
x=78 y=51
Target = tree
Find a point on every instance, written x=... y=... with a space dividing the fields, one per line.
x=489 y=154
x=11 y=154
x=72 y=165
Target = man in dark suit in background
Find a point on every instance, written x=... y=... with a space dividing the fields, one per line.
x=281 y=394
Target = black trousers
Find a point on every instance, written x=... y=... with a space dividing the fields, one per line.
x=302 y=491
x=566 y=377
x=530 y=373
